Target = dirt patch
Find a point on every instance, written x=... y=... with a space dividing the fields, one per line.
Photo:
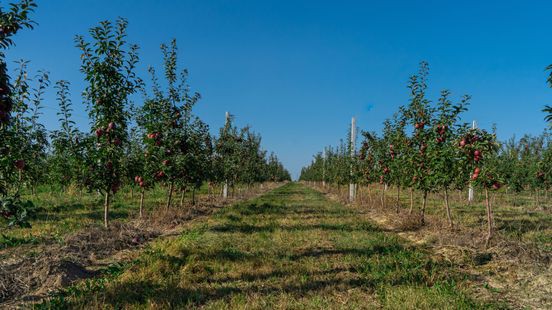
x=50 y=267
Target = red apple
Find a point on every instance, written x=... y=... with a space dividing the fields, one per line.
x=477 y=153
x=117 y=141
x=20 y=164
x=99 y=132
x=110 y=126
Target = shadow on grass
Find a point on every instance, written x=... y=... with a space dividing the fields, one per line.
x=386 y=249
x=213 y=290
x=68 y=207
x=520 y=226
x=252 y=229
x=260 y=208
x=98 y=214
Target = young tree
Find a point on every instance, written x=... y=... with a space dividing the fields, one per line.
x=479 y=150
x=12 y=208
x=419 y=114
x=67 y=159
x=444 y=151
x=108 y=65
x=227 y=153
x=166 y=118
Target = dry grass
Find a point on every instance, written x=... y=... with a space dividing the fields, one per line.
x=516 y=267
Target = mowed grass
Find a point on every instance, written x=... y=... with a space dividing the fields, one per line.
x=288 y=249
x=515 y=215
x=64 y=212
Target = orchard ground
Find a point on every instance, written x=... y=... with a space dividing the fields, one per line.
x=290 y=248
x=294 y=247
x=67 y=242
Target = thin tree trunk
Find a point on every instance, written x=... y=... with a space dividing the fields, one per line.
x=383 y=196
x=141 y=203
x=132 y=193
x=106 y=208
x=422 y=212
x=169 y=198
x=449 y=217
x=537 y=198
x=490 y=223
x=398 y=198
x=411 y=201
x=182 y=198
x=369 y=194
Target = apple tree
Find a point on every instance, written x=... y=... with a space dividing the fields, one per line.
x=12 y=209
x=108 y=65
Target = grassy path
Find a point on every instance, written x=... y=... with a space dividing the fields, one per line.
x=290 y=248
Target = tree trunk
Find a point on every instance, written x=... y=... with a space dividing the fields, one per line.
x=383 y=196
x=182 y=198
x=169 y=198
x=369 y=194
x=490 y=223
x=447 y=207
x=537 y=199
x=411 y=201
x=106 y=208
x=398 y=198
x=422 y=212
x=141 y=203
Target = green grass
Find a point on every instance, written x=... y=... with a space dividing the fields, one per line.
x=64 y=212
x=515 y=214
x=290 y=248
x=520 y=222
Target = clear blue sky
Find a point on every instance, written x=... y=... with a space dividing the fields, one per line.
x=296 y=71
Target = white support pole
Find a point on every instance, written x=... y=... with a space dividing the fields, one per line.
x=470 y=190
x=352 y=186
x=225 y=188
